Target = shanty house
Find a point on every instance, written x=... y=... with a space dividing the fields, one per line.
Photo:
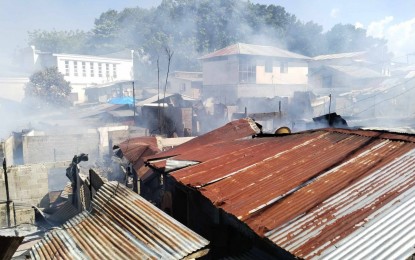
x=246 y=70
x=338 y=78
x=186 y=83
x=319 y=194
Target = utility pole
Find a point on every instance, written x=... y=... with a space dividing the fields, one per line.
x=7 y=192
x=134 y=102
x=330 y=103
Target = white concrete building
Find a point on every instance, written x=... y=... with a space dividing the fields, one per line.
x=83 y=71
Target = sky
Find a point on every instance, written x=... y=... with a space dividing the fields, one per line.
x=392 y=20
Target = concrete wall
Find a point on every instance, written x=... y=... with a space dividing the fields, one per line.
x=104 y=137
x=28 y=184
x=24 y=215
x=52 y=148
x=269 y=91
x=12 y=149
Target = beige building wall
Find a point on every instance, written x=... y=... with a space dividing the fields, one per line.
x=297 y=73
x=221 y=72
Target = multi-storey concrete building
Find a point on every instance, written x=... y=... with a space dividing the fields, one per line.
x=246 y=70
x=83 y=71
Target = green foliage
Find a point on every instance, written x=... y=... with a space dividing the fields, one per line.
x=59 y=41
x=47 y=89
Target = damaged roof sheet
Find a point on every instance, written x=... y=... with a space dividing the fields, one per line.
x=122 y=225
x=234 y=130
x=307 y=192
x=134 y=149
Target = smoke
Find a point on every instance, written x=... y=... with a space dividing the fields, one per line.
x=150 y=31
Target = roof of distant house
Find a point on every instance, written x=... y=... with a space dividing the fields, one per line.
x=256 y=50
x=321 y=193
x=125 y=54
x=121 y=225
x=340 y=55
x=356 y=71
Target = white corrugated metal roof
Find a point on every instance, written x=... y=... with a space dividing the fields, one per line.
x=367 y=193
x=339 y=55
x=389 y=234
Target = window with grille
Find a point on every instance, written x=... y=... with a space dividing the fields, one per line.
x=66 y=68
x=107 y=70
x=247 y=70
x=91 y=66
x=75 y=68
x=268 y=66
x=283 y=67
x=83 y=69
x=114 y=70
x=100 y=70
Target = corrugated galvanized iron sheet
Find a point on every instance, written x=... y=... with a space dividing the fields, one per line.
x=234 y=130
x=135 y=149
x=388 y=234
x=340 y=55
x=122 y=225
x=307 y=191
x=339 y=215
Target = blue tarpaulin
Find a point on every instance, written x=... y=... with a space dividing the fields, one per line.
x=121 y=101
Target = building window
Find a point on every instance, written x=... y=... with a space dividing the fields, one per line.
x=75 y=68
x=107 y=70
x=268 y=66
x=83 y=69
x=114 y=70
x=91 y=65
x=247 y=70
x=283 y=67
x=100 y=70
x=66 y=68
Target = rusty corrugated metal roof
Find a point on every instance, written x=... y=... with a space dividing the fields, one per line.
x=134 y=149
x=305 y=192
x=257 y=50
x=122 y=225
x=234 y=130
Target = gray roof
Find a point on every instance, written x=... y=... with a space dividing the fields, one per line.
x=339 y=55
x=256 y=50
x=356 y=71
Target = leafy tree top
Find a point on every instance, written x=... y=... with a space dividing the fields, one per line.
x=47 y=88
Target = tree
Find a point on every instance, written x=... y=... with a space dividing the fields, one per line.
x=47 y=89
x=59 y=41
